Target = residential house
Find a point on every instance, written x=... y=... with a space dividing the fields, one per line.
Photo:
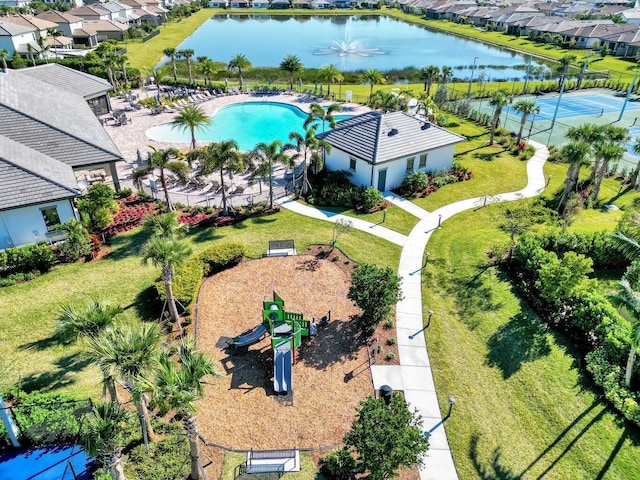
x=218 y=3
x=71 y=3
x=303 y=4
x=106 y=29
x=45 y=131
x=15 y=3
x=259 y=3
x=280 y=4
x=320 y=4
x=239 y=4
x=119 y=12
x=17 y=38
x=91 y=12
x=66 y=22
x=94 y=90
x=380 y=149
x=47 y=33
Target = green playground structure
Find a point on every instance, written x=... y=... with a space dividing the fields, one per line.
x=287 y=330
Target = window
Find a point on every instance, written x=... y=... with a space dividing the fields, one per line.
x=352 y=164
x=410 y=164
x=51 y=218
x=423 y=161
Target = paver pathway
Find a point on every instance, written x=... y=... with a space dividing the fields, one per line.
x=413 y=375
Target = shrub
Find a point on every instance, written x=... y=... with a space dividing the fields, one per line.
x=415 y=182
x=97 y=206
x=388 y=324
x=390 y=356
x=391 y=341
x=76 y=244
x=124 y=193
x=338 y=465
x=375 y=290
x=370 y=198
x=185 y=282
x=29 y=258
x=444 y=179
x=221 y=256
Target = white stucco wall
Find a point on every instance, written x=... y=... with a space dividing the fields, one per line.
x=20 y=225
x=12 y=43
x=366 y=175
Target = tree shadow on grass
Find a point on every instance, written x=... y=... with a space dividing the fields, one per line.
x=495 y=470
x=487 y=157
x=128 y=245
x=205 y=234
x=524 y=338
x=58 y=377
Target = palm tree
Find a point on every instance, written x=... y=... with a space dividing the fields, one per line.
x=122 y=61
x=44 y=48
x=429 y=75
x=426 y=106
x=499 y=99
x=100 y=352
x=291 y=64
x=308 y=147
x=167 y=253
x=207 y=69
x=446 y=75
x=220 y=157
x=374 y=77
x=610 y=150
x=30 y=51
x=4 y=54
x=191 y=118
x=239 y=62
x=576 y=154
x=135 y=349
x=187 y=54
x=270 y=154
x=172 y=53
x=633 y=179
x=317 y=113
x=385 y=101
x=87 y=320
x=109 y=60
x=157 y=74
x=330 y=74
x=524 y=108
x=166 y=225
x=179 y=385
x=565 y=62
x=163 y=160
x=103 y=436
x=629 y=300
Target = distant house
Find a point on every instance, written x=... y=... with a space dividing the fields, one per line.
x=17 y=38
x=380 y=149
x=218 y=3
x=67 y=23
x=91 y=12
x=259 y=3
x=321 y=4
x=48 y=135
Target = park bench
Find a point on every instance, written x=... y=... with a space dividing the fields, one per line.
x=273 y=461
x=281 y=248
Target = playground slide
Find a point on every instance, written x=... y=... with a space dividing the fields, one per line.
x=250 y=337
x=282 y=363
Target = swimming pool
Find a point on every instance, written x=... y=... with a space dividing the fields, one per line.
x=248 y=123
x=47 y=463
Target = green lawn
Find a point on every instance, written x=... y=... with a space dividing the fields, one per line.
x=395 y=219
x=523 y=408
x=29 y=310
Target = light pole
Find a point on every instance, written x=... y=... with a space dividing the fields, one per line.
x=429 y=319
x=439 y=219
x=414 y=335
x=452 y=402
x=473 y=69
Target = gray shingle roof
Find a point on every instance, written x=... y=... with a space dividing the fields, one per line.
x=68 y=79
x=53 y=121
x=28 y=177
x=8 y=29
x=379 y=137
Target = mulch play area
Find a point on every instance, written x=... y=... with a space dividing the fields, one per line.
x=330 y=377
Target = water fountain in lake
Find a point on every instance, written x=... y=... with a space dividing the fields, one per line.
x=346 y=47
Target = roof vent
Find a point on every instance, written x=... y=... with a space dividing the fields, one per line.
x=393 y=131
x=425 y=126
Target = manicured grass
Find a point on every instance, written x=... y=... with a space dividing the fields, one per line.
x=494 y=169
x=523 y=408
x=395 y=219
x=27 y=325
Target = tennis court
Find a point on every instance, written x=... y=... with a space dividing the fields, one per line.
x=580 y=105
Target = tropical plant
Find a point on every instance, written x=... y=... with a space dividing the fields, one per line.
x=179 y=384
x=324 y=116
x=576 y=154
x=187 y=54
x=633 y=178
x=165 y=225
x=565 y=62
x=270 y=154
x=86 y=320
x=172 y=54
x=428 y=75
x=308 y=147
x=77 y=242
x=628 y=300
x=103 y=436
x=446 y=75
x=163 y=161
x=220 y=157
x=385 y=101
x=330 y=74
x=373 y=77
x=207 y=68
x=133 y=350
x=167 y=253
x=239 y=62
x=31 y=53
x=609 y=148
x=4 y=54
x=97 y=207
x=191 y=118
x=292 y=65
x=499 y=99
x=524 y=108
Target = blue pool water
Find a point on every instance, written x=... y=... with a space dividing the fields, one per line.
x=247 y=123
x=50 y=463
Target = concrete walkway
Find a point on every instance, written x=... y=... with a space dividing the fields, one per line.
x=413 y=375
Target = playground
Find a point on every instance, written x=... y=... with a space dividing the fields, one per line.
x=329 y=377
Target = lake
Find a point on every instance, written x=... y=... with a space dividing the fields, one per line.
x=350 y=42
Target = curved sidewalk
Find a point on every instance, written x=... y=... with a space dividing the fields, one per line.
x=413 y=375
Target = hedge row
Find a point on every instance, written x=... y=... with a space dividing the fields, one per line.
x=29 y=258
x=188 y=277
x=587 y=317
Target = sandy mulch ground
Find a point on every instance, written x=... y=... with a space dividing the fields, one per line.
x=331 y=376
